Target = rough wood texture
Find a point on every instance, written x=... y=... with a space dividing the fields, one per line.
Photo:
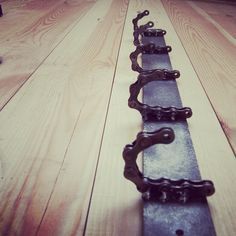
x=222 y=13
x=30 y=30
x=221 y=18
x=62 y=133
x=214 y=59
x=115 y=205
x=57 y=120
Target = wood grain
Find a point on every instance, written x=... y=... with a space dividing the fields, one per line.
x=51 y=130
x=52 y=139
x=115 y=206
x=222 y=13
x=214 y=59
x=30 y=30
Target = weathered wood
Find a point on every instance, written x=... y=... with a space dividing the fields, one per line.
x=223 y=13
x=52 y=139
x=50 y=132
x=115 y=206
x=214 y=59
x=30 y=30
x=222 y=16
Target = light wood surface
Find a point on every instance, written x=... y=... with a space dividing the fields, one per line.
x=78 y=170
x=30 y=30
x=56 y=122
x=214 y=58
x=62 y=133
x=213 y=152
x=223 y=13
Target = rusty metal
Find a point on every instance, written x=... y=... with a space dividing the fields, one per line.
x=151 y=49
x=154 y=32
x=139 y=30
x=145 y=29
x=139 y=16
x=162 y=189
x=155 y=113
x=176 y=161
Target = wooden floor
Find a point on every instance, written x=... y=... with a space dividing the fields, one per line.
x=64 y=117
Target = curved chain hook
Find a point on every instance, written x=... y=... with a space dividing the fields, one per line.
x=138 y=17
x=145 y=29
x=141 y=29
x=138 y=30
x=161 y=189
x=154 y=113
x=131 y=151
x=152 y=49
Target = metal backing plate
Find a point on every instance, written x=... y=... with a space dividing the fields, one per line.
x=176 y=161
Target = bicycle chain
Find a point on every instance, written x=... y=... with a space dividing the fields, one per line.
x=154 y=33
x=162 y=189
x=156 y=113
x=169 y=74
x=139 y=30
x=145 y=29
x=138 y=17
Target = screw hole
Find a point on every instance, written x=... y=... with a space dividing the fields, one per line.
x=179 y=232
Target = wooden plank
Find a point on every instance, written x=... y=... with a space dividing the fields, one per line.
x=220 y=15
x=214 y=59
x=30 y=30
x=223 y=13
x=50 y=132
x=115 y=205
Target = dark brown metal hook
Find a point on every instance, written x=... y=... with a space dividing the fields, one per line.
x=155 y=113
x=161 y=189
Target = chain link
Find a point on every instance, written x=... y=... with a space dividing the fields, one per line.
x=162 y=189
x=156 y=113
x=169 y=74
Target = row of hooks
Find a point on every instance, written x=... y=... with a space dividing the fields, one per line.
x=162 y=189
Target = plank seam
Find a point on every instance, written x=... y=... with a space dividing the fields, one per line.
x=41 y=63
x=54 y=185
x=104 y=127
x=231 y=147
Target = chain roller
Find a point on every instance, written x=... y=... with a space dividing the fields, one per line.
x=154 y=113
x=170 y=74
x=162 y=189
x=145 y=29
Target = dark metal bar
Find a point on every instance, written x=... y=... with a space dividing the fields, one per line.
x=176 y=160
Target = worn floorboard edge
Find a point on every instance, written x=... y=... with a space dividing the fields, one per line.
x=214 y=60
x=116 y=206
x=63 y=104
x=95 y=175
x=29 y=35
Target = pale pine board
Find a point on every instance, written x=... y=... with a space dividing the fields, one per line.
x=30 y=30
x=67 y=210
x=116 y=205
x=52 y=128
x=223 y=13
x=214 y=59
